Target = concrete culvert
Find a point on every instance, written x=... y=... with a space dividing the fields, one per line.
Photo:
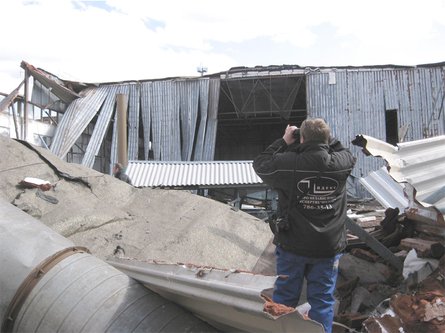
x=49 y=285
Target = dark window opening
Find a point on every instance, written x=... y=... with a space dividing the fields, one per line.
x=392 y=127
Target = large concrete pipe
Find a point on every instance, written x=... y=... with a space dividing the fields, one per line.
x=49 y=285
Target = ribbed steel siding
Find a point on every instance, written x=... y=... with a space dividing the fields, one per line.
x=203 y=110
x=166 y=125
x=357 y=102
x=100 y=127
x=210 y=173
x=76 y=118
x=212 y=120
x=189 y=102
x=133 y=122
x=146 y=97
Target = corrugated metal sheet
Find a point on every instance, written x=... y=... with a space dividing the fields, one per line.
x=165 y=121
x=212 y=120
x=388 y=192
x=203 y=110
x=206 y=173
x=188 y=106
x=420 y=167
x=133 y=122
x=100 y=127
x=146 y=113
x=229 y=300
x=76 y=118
x=357 y=101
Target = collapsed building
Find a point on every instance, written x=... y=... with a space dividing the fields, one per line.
x=201 y=134
x=227 y=116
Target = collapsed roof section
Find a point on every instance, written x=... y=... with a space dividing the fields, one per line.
x=418 y=167
x=50 y=91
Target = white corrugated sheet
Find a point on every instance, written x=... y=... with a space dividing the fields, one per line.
x=193 y=174
x=419 y=167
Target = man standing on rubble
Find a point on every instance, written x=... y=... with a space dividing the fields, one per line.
x=308 y=169
x=118 y=172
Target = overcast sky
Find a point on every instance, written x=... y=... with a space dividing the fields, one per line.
x=117 y=40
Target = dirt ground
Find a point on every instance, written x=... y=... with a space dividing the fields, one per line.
x=112 y=218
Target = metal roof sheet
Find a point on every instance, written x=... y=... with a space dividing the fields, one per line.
x=192 y=174
x=419 y=166
x=228 y=299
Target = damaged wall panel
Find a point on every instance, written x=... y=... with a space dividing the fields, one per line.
x=76 y=118
x=189 y=102
x=390 y=104
x=146 y=116
x=203 y=108
x=133 y=122
x=179 y=119
x=212 y=121
x=100 y=127
x=166 y=126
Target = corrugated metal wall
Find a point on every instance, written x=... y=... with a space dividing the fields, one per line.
x=354 y=101
x=179 y=119
x=76 y=118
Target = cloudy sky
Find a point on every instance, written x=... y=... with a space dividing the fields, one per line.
x=117 y=40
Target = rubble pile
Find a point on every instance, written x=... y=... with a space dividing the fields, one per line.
x=112 y=218
x=373 y=295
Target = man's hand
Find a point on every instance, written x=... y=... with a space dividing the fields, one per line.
x=289 y=134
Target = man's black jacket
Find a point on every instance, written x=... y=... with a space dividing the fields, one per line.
x=318 y=173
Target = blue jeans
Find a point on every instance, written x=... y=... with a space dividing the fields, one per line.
x=321 y=277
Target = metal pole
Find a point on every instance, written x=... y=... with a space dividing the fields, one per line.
x=122 y=104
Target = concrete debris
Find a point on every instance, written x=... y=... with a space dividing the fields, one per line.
x=419 y=311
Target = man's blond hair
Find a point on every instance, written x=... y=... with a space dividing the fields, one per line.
x=315 y=129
